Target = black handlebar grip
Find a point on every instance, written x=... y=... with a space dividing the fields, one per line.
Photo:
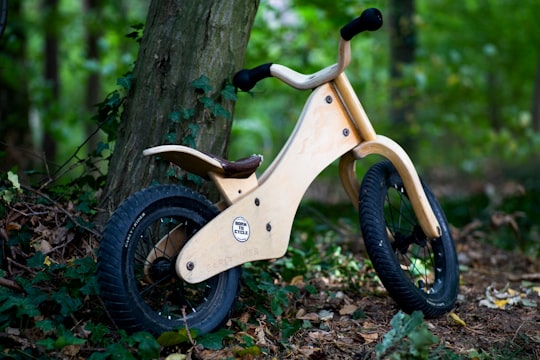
x=370 y=20
x=246 y=79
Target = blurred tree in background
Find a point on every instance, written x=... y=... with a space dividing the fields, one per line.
x=58 y=59
x=471 y=72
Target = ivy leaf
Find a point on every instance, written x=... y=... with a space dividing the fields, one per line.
x=170 y=138
x=67 y=303
x=24 y=306
x=125 y=81
x=196 y=179
x=117 y=351
x=187 y=113
x=47 y=343
x=101 y=146
x=113 y=99
x=202 y=84
x=208 y=103
x=290 y=328
x=189 y=141
x=214 y=341
x=171 y=338
x=171 y=172
x=99 y=356
x=36 y=261
x=175 y=117
x=91 y=286
x=229 y=93
x=45 y=325
x=66 y=339
x=220 y=111
x=148 y=346
x=193 y=129
x=98 y=331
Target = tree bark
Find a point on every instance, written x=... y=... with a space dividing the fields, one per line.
x=402 y=55
x=93 y=82
x=536 y=101
x=52 y=77
x=15 y=137
x=182 y=41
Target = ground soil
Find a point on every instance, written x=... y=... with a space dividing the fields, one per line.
x=475 y=332
x=492 y=333
x=478 y=332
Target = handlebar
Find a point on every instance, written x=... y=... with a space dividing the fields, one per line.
x=370 y=20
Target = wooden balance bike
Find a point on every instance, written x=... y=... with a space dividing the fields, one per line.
x=170 y=258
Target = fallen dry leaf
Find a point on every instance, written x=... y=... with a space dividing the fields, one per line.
x=456 y=320
x=369 y=337
x=348 y=309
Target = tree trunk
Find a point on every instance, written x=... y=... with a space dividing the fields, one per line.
x=536 y=100
x=93 y=82
x=182 y=41
x=15 y=137
x=402 y=54
x=52 y=77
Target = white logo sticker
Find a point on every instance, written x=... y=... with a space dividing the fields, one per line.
x=240 y=229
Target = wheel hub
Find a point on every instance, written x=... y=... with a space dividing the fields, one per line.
x=402 y=242
x=161 y=269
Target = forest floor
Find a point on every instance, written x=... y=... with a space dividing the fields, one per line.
x=487 y=325
x=496 y=316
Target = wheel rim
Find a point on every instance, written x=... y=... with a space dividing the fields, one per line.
x=420 y=259
x=152 y=268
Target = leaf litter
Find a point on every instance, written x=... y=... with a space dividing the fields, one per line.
x=497 y=307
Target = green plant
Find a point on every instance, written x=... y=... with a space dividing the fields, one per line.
x=9 y=186
x=140 y=345
x=409 y=338
x=110 y=109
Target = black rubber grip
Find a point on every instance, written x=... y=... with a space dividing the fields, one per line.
x=370 y=20
x=246 y=79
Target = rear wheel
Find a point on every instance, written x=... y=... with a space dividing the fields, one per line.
x=419 y=273
x=136 y=264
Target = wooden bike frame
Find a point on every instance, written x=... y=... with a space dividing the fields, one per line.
x=257 y=220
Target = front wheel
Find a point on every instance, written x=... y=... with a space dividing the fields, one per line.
x=418 y=273
x=136 y=265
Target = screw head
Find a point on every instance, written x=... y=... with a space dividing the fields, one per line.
x=268 y=227
x=328 y=99
x=346 y=132
x=190 y=265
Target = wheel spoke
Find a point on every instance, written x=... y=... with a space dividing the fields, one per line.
x=411 y=248
x=404 y=258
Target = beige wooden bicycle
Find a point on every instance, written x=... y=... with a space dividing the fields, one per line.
x=169 y=256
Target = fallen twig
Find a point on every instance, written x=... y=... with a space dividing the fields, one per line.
x=71 y=217
x=10 y=284
x=528 y=277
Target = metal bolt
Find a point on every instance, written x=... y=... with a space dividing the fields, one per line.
x=268 y=227
x=328 y=99
x=346 y=132
x=257 y=202
x=190 y=265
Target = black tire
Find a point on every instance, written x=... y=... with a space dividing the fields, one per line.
x=138 y=282
x=418 y=273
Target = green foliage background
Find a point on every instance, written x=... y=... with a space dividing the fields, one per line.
x=473 y=85
x=473 y=75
